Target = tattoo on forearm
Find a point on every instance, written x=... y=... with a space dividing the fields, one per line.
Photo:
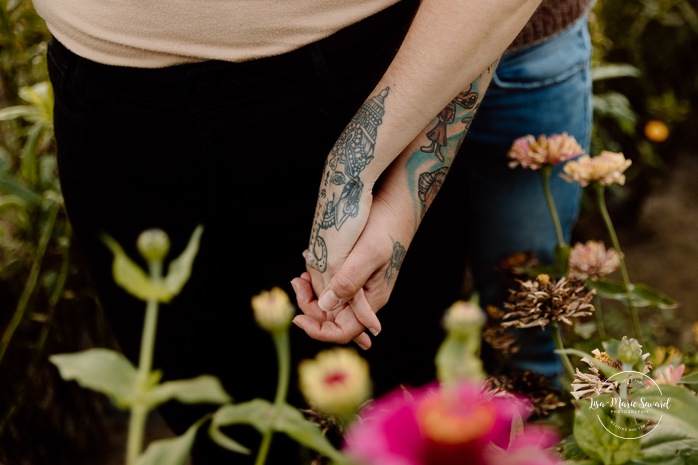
x=341 y=187
x=428 y=166
x=439 y=133
x=395 y=261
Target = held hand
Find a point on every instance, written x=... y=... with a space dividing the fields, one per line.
x=357 y=290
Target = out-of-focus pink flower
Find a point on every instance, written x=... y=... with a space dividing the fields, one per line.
x=591 y=260
x=447 y=425
x=531 y=153
x=668 y=374
x=606 y=168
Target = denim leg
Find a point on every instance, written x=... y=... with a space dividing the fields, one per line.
x=544 y=89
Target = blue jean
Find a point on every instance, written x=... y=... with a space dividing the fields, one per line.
x=487 y=211
x=543 y=89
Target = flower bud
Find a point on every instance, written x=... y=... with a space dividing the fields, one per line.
x=463 y=317
x=629 y=351
x=273 y=310
x=153 y=244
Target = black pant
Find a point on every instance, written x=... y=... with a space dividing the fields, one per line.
x=240 y=149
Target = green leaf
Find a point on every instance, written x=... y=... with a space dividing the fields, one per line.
x=642 y=295
x=202 y=389
x=131 y=277
x=613 y=71
x=101 y=370
x=256 y=412
x=13 y=186
x=180 y=268
x=599 y=443
x=264 y=417
x=607 y=370
x=691 y=378
x=20 y=111
x=681 y=412
x=667 y=446
x=292 y=422
x=170 y=451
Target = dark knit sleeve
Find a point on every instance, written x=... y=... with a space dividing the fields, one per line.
x=551 y=17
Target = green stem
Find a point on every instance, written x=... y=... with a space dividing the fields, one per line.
x=557 y=338
x=545 y=172
x=601 y=200
x=32 y=280
x=283 y=353
x=139 y=412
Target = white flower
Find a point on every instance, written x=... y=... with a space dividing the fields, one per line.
x=336 y=381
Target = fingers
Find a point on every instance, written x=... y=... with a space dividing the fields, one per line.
x=340 y=326
x=364 y=313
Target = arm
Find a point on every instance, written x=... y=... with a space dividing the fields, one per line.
x=407 y=189
x=447 y=46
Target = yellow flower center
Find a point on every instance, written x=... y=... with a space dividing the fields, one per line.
x=450 y=423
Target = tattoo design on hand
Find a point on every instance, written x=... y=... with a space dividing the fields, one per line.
x=341 y=188
x=396 y=259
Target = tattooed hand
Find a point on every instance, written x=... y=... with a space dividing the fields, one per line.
x=366 y=279
x=358 y=242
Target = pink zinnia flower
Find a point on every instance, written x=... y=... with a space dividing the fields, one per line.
x=529 y=152
x=446 y=425
x=668 y=374
x=591 y=260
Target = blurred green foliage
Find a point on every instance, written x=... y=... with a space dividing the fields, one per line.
x=644 y=71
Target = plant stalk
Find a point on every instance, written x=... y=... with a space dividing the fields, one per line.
x=601 y=200
x=283 y=353
x=139 y=411
x=545 y=172
x=557 y=339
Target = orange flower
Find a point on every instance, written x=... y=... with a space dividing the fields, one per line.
x=656 y=131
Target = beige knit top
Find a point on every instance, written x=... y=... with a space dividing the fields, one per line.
x=158 y=33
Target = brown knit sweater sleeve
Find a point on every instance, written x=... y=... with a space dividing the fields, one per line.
x=551 y=17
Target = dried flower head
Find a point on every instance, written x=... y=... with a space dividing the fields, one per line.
x=272 y=309
x=531 y=153
x=544 y=300
x=591 y=260
x=537 y=388
x=606 y=168
x=336 y=381
x=501 y=339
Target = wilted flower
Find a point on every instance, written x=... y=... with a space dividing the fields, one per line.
x=433 y=425
x=591 y=260
x=501 y=339
x=606 y=168
x=531 y=153
x=535 y=387
x=668 y=374
x=272 y=309
x=543 y=300
x=336 y=382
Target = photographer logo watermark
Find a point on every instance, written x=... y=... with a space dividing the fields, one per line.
x=628 y=414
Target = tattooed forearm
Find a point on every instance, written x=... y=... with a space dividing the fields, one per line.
x=342 y=186
x=396 y=259
x=428 y=165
